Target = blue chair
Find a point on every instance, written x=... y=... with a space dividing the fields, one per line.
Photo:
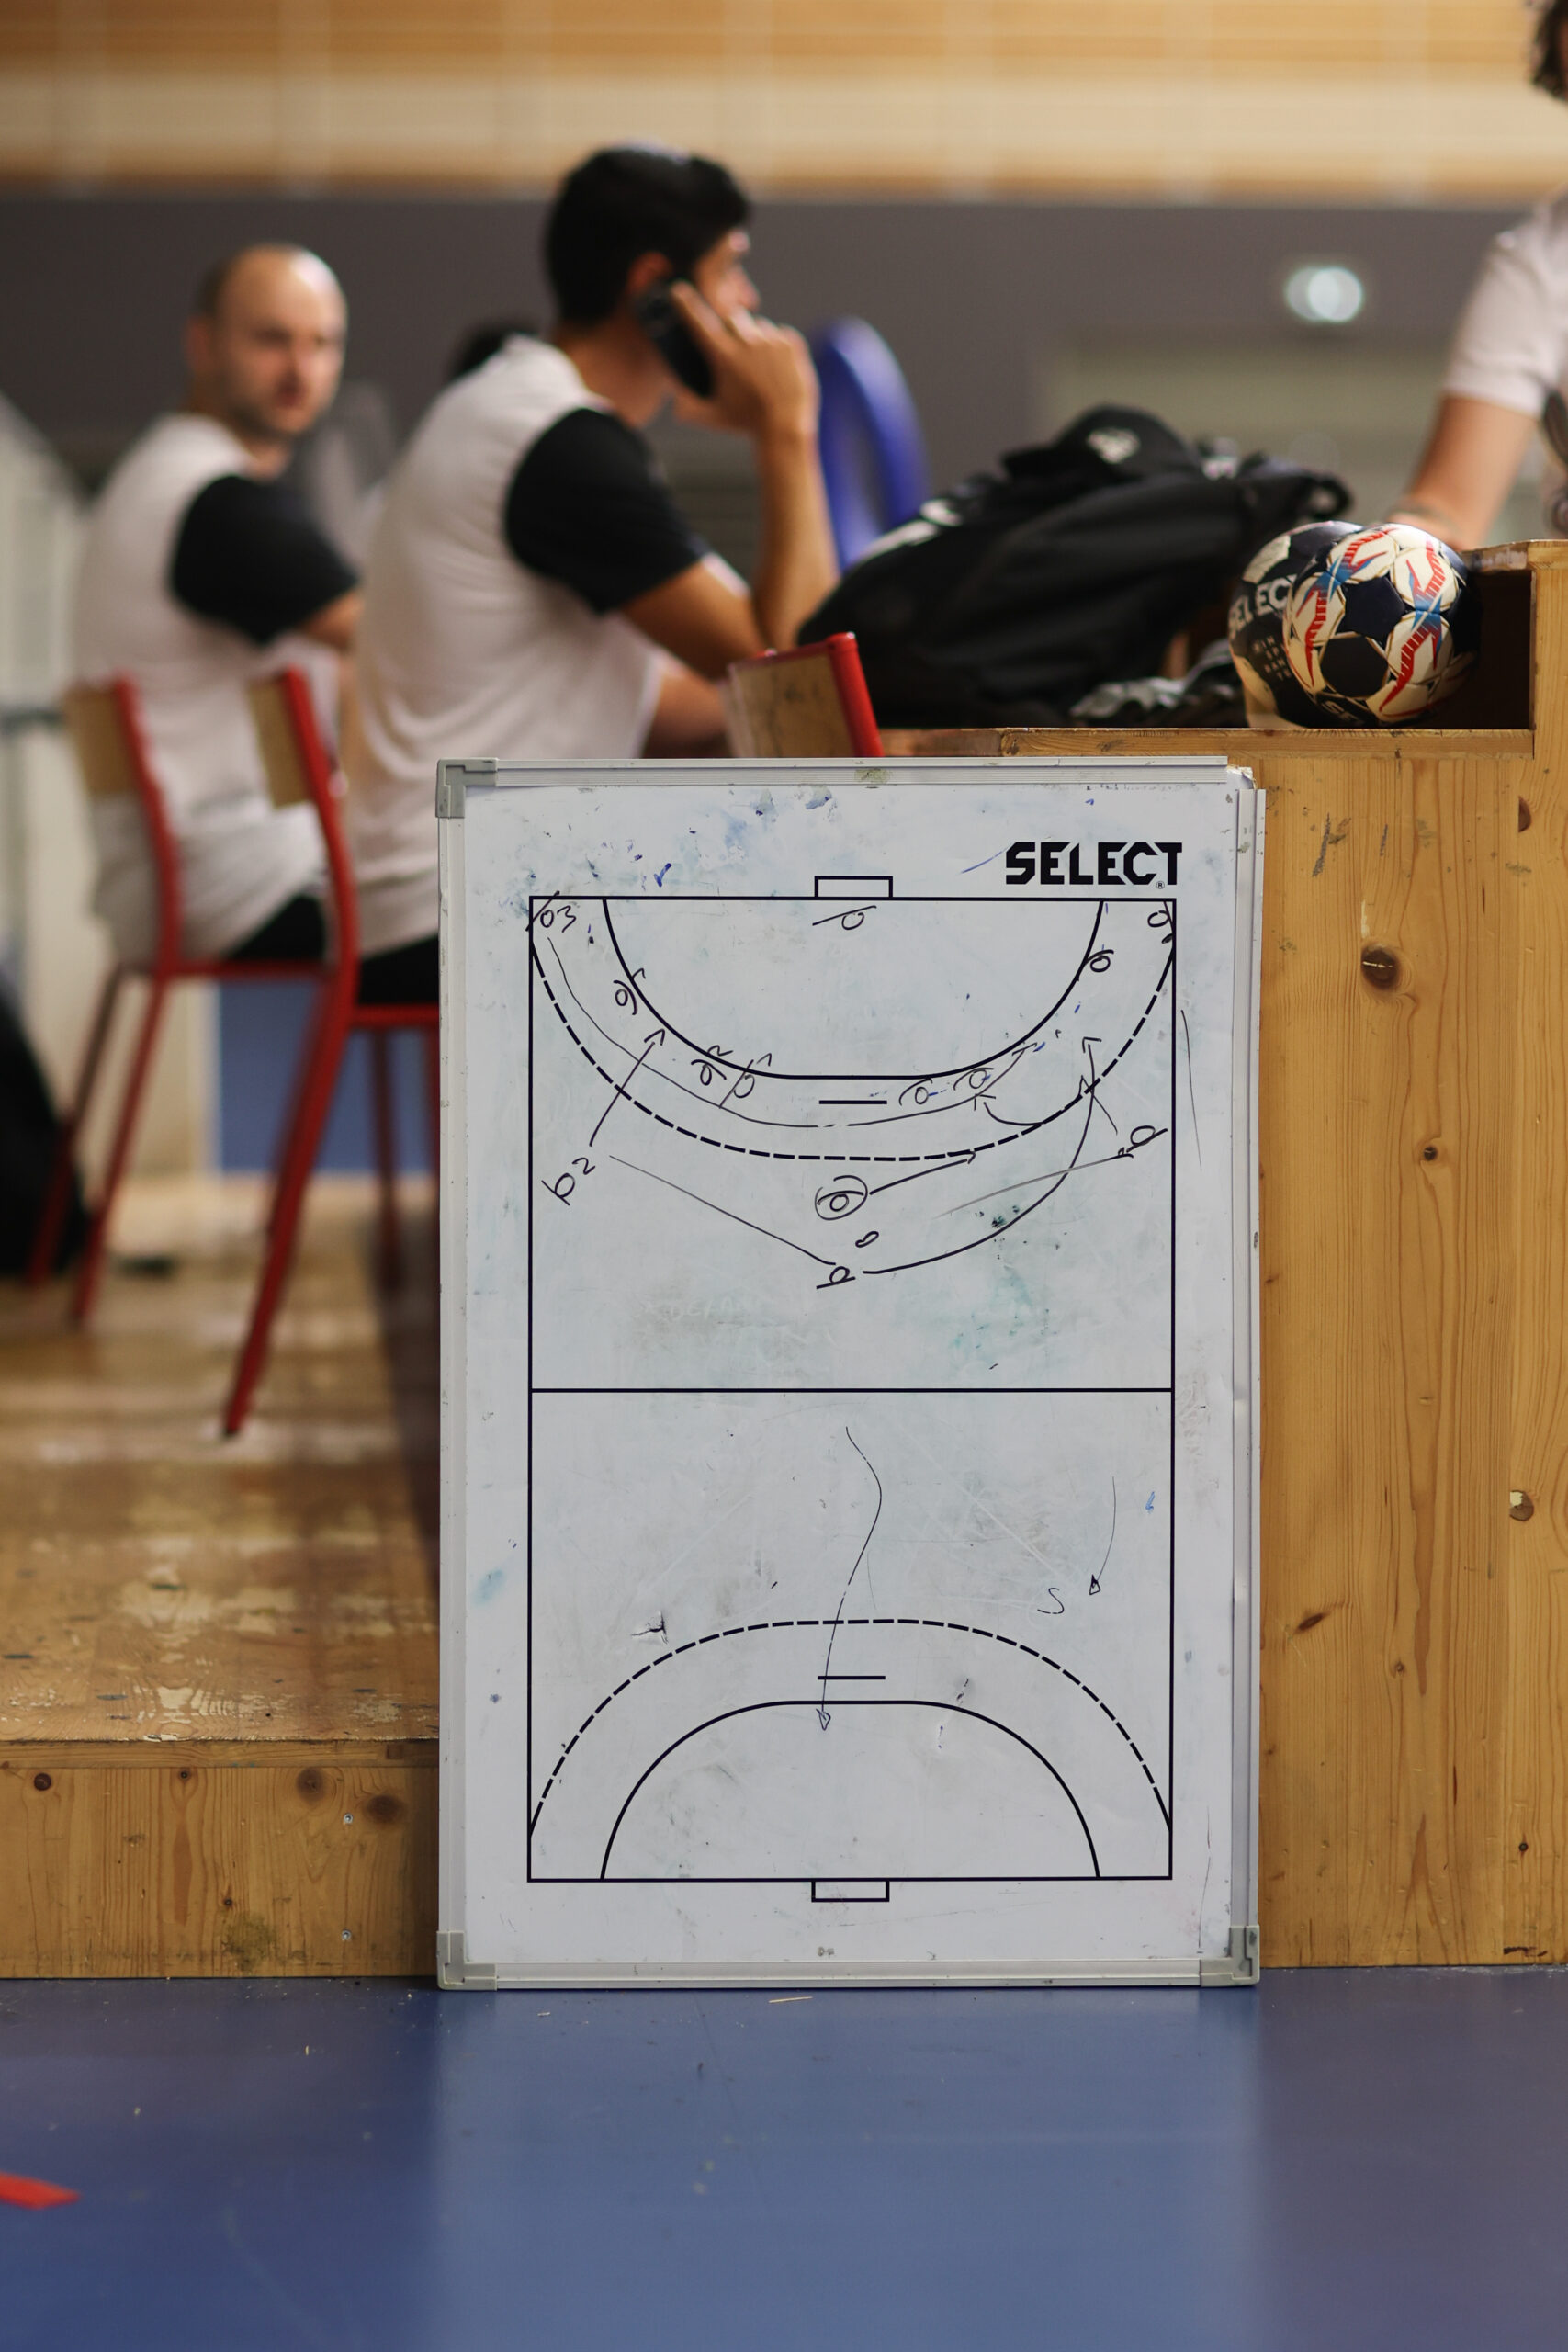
x=873 y=453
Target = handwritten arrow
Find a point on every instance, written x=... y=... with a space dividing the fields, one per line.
x=657 y=1039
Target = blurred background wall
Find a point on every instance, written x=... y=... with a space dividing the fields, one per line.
x=1398 y=99
x=1006 y=314
x=1040 y=203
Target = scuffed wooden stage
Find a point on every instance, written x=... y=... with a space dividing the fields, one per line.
x=218 y=1692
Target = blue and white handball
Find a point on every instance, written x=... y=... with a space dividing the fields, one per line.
x=1254 y=624
x=1381 y=626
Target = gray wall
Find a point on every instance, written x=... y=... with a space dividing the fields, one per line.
x=973 y=296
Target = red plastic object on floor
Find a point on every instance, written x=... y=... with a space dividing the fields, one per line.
x=16 y=2188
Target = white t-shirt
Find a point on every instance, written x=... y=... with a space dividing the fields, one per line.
x=465 y=651
x=1511 y=346
x=241 y=859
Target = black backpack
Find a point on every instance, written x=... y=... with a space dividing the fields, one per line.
x=29 y=1137
x=1007 y=600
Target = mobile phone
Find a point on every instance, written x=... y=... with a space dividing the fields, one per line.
x=672 y=338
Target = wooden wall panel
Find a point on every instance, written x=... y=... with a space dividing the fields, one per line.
x=1536 y=1558
x=1129 y=36
x=1414 y=1259
x=209 y=1862
x=1386 y=1158
x=1423 y=97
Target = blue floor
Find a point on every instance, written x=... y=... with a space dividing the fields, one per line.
x=1337 y=2161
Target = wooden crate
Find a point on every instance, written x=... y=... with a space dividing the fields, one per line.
x=1414 y=1118
x=218 y=1692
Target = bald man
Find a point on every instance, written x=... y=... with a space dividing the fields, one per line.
x=201 y=571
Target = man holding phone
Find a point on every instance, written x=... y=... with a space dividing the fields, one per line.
x=531 y=590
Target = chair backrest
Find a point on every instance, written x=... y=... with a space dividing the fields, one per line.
x=105 y=725
x=810 y=703
x=299 y=768
x=874 y=454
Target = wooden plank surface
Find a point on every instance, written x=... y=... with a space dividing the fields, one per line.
x=160 y=1581
x=1386 y=1122
x=1534 y=1564
x=218 y=1696
x=171 y=1867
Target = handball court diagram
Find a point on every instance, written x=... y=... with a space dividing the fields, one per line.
x=851 y=1245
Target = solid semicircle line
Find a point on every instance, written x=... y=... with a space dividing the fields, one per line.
x=807 y=1078
x=762 y=1706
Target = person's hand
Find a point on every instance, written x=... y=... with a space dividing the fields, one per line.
x=764 y=383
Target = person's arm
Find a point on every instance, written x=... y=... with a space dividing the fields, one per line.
x=586 y=507
x=765 y=386
x=336 y=623
x=699 y=618
x=688 y=718
x=1467 y=469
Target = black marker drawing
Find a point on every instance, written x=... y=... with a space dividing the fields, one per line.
x=763 y=1229
x=841 y=1180
x=1191 y=1089
x=760 y=1109
x=1109 y=1544
x=823 y=1717
x=656 y=1039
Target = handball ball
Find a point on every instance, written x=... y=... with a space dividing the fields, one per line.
x=1255 y=622
x=1381 y=626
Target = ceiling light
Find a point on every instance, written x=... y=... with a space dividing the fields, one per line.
x=1325 y=293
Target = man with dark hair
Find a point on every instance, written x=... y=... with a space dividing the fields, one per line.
x=626 y=201
x=531 y=590
x=200 y=572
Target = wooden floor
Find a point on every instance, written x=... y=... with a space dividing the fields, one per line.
x=217 y=1689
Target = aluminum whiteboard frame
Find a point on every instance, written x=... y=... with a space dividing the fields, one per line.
x=456 y=1970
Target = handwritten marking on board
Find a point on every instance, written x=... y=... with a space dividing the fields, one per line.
x=1192 y=1090
x=823 y=1717
x=1094 y=1580
x=838 y=1273
x=656 y=1038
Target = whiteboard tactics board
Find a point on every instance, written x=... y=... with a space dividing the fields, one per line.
x=847 y=1205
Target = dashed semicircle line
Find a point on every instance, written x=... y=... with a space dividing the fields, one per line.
x=961 y=1155
x=784 y=1624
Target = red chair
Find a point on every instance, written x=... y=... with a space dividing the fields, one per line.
x=810 y=703
x=106 y=728
x=299 y=768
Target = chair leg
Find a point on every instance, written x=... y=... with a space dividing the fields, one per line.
x=57 y=1198
x=303 y=1065
x=293 y=1175
x=388 y=1240
x=92 y=1264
